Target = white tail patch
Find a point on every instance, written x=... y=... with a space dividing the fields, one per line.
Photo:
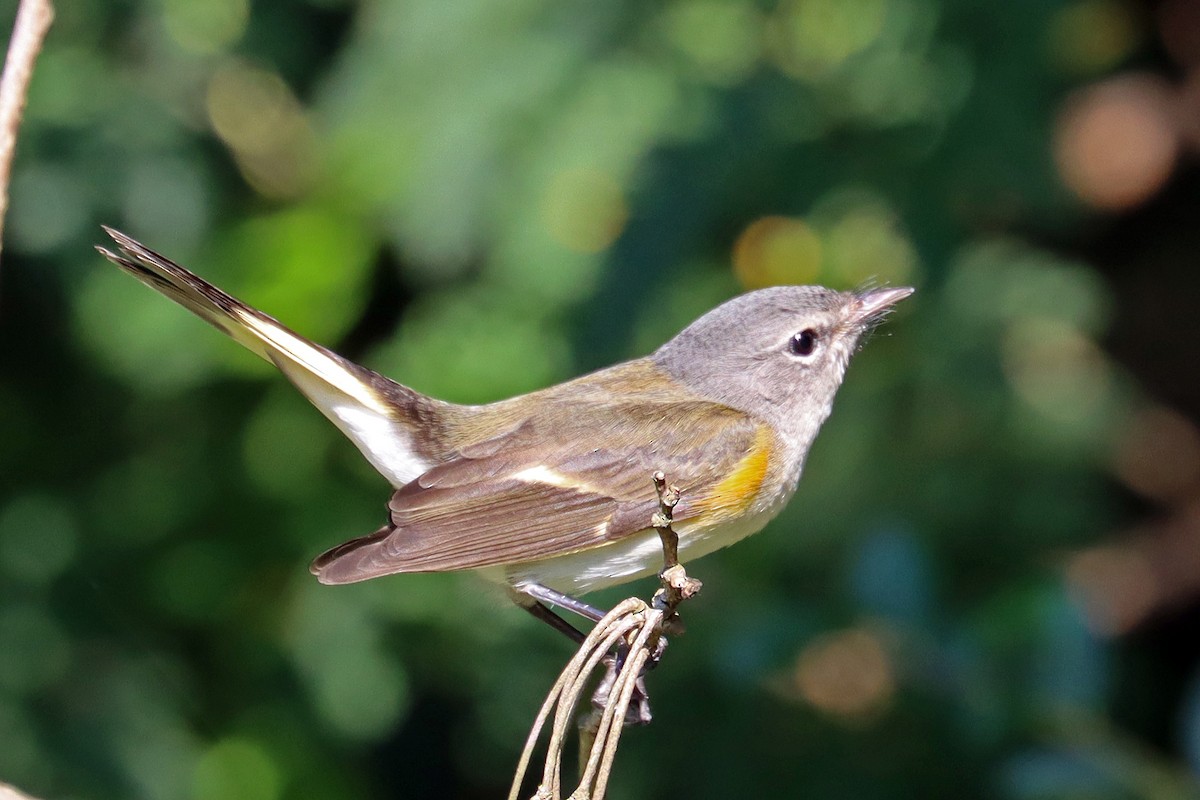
x=313 y=360
x=385 y=443
x=333 y=385
x=351 y=404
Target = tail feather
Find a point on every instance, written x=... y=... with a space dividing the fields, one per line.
x=332 y=566
x=370 y=409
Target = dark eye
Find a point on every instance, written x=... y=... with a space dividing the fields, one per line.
x=803 y=343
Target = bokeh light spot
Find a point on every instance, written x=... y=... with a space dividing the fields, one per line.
x=194 y=580
x=1092 y=35
x=113 y=318
x=306 y=265
x=207 y=27
x=584 y=209
x=899 y=87
x=356 y=685
x=236 y=767
x=38 y=538
x=1117 y=143
x=20 y=754
x=893 y=577
x=142 y=499
x=1115 y=586
x=364 y=696
x=72 y=85
x=719 y=38
x=1158 y=454
x=846 y=674
x=810 y=38
x=250 y=108
x=49 y=206
x=284 y=444
x=36 y=651
x=863 y=241
x=774 y=251
x=1004 y=280
x=254 y=112
x=167 y=198
x=1057 y=370
x=512 y=349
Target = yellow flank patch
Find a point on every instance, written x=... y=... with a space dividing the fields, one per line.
x=736 y=492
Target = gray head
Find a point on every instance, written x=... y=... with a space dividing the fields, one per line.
x=779 y=353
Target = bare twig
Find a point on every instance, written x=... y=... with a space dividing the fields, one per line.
x=676 y=585
x=636 y=631
x=33 y=20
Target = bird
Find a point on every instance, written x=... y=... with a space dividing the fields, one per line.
x=550 y=493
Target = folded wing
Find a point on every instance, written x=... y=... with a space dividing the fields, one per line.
x=524 y=503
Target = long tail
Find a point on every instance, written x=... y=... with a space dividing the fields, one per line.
x=378 y=414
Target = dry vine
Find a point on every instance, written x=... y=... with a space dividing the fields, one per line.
x=33 y=20
x=636 y=631
x=29 y=29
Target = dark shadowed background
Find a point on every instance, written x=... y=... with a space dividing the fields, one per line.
x=988 y=584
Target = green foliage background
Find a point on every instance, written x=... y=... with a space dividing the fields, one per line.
x=481 y=198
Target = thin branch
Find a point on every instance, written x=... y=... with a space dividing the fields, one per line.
x=33 y=20
x=676 y=585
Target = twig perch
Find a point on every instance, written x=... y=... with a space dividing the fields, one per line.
x=33 y=20
x=636 y=631
x=676 y=585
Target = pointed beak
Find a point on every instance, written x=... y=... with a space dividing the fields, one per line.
x=874 y=303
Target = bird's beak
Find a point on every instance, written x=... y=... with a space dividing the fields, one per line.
x=871 y=304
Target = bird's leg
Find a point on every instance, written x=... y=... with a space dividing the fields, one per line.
x=555 y=598
x=676 y=587
x=553 y=620
x=639 y=711
x=536 y=599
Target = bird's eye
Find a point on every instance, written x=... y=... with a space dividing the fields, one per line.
x=803 y=343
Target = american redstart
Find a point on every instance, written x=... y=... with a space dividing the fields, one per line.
x=550 y=493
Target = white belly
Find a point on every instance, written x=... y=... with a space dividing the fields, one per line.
x=636 y=556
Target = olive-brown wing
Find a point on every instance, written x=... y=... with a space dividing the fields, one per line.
x=529 y=502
